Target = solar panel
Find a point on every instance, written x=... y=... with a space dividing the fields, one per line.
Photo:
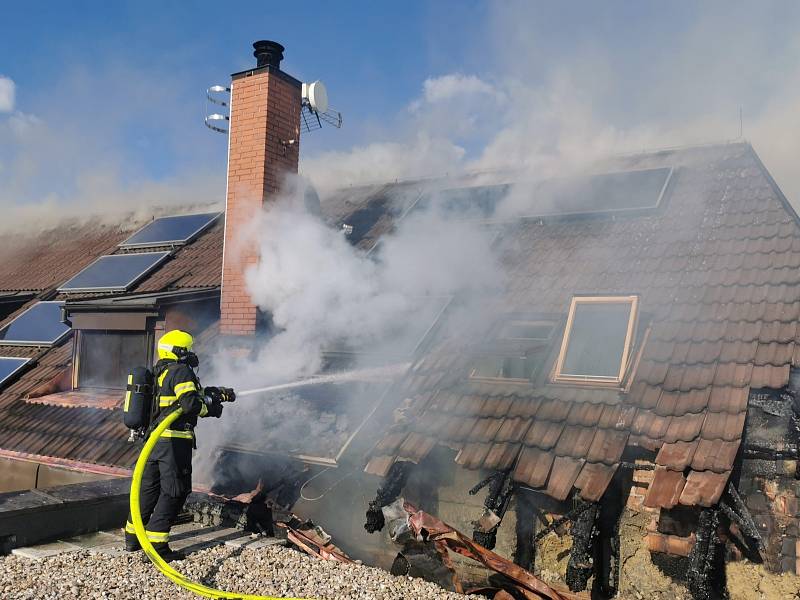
x=114 y=273
x=561 y=197
x=9 y=366
x=170 y=231
x=39 y=325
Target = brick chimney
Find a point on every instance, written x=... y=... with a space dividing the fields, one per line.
x=263 y=146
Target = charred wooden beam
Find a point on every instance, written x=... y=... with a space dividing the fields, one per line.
x=607 y=545
x=525 y=550
x=737 y=512
x=581 y=556
x=501 y=489
x=556 y=523
x=390 y=490
x=706 y=573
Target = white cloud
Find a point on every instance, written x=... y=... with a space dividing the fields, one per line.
x=7 y=94
x=455 y=86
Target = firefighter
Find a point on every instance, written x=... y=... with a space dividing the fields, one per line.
x=167 y=478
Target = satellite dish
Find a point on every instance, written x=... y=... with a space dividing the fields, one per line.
x=315 y=109
x=316 y=95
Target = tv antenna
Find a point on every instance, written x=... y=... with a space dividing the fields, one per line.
x=315 y=110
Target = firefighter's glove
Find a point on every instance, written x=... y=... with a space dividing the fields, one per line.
x=213 y=405
x=221 y=394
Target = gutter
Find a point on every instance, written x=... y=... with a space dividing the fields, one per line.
x=65 y=463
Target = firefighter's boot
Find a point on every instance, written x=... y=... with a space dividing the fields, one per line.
x=132 y=542
x=167 y=553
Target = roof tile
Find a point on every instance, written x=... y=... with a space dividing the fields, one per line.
x=562 y=476
x=665 y=489
x=703 y=488
x=593 y=480
x=533 y=467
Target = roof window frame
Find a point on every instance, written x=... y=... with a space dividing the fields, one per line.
x=557 y=377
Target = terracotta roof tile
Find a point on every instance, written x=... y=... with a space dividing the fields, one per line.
x=585 y=414
x=665 y=489
x=593 y=480
x=575 y=441
x=543 y=434
x=607 y=446
x=715 y=455
x=769 y=376
x=676 y=456
x=512 y=430
x=379 y=465
x=524 y=407
x=563 y=474
x=501 y=456
x=533 y=467
x=728 y=399
x=416 y=447
x=553 y=410
x=703 y=488
x=684 y=428
x=723 y=426
x=472 y=455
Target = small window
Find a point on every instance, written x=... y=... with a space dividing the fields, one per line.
x=597 y=340
x=106 y=357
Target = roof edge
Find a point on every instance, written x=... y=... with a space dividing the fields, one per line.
x=773 y=184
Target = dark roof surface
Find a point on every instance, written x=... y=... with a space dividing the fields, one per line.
x=718 y=271
x=63 y=426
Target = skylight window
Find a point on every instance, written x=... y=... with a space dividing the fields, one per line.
x=597 y=340
x=170 y=231
x=40 y=325
x=516 y=351
x=9 y=367
x=114 y=273
x=591 y=195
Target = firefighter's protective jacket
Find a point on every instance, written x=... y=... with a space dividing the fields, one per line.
x=176 y=382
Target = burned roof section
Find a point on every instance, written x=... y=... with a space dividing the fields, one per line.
x=716 y=271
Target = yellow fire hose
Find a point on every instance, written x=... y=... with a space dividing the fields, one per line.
x=138 y=526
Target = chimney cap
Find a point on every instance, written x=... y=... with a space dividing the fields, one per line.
x=268 y=53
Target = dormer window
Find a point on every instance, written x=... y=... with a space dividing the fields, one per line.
x=597 y=340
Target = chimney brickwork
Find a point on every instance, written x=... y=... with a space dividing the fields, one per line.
x=265 y=115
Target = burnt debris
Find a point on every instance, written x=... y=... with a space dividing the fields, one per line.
x=389 y=491
x=501 y=489
x=706 y=573
x=581 y=556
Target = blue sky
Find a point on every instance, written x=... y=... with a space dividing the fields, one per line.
x=109 y=96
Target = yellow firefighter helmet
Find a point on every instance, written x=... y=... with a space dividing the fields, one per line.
x=174 y=344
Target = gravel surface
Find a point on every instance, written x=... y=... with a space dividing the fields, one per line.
x=273 y=570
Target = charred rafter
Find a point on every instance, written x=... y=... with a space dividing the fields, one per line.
x=581 y=557
x=390 y=490
x=501 y=489
x=706 y=573
x=734 y=508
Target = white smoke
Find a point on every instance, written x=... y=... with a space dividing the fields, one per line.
x=323 y=293
x=7 y=94
x=546 y=105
